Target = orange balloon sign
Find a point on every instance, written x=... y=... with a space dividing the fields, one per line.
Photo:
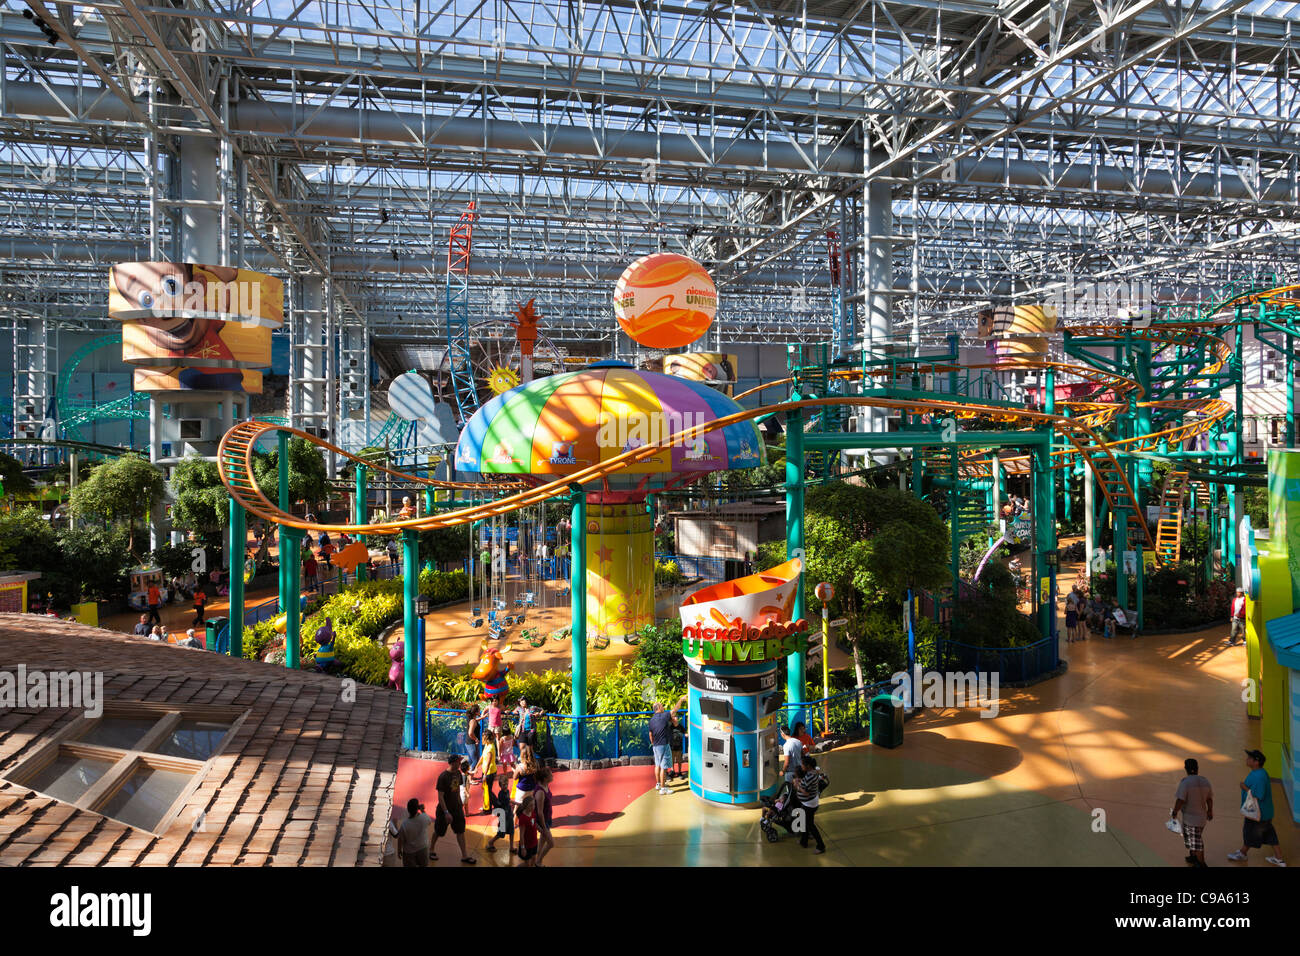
x=665 y=300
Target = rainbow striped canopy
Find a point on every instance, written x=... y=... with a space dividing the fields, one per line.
x=563 y=423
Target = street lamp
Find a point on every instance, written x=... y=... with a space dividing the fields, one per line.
x=824 y=593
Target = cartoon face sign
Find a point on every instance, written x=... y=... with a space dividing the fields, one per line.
x=159 y=294
x=501 y=455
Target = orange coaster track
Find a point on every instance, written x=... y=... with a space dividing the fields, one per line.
x=1079 y=430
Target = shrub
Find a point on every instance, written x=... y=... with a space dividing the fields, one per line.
x=668 y=574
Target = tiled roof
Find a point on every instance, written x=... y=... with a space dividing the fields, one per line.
x=306 y=780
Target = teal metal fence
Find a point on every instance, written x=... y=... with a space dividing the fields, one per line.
x=614 y=736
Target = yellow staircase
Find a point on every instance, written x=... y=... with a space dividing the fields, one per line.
x=1169 y=527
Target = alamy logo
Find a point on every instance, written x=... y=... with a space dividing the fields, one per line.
x=952 y=689
x=76 y=909
x=637 y=429
x=80 y=690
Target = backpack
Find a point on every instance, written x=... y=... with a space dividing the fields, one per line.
x=823 y=781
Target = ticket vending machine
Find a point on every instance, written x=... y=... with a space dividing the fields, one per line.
x=734 y=743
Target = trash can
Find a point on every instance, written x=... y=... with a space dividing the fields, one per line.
x=886 y=721
x=215 y=627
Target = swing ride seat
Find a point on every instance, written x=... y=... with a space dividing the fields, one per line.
x=476 y=622
x=476 y=612
x=528 y=600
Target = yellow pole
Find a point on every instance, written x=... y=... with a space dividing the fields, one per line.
x=826 y=669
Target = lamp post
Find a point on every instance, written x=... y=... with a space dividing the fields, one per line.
x=824 y=593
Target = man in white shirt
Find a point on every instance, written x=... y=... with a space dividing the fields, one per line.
x=792 y=750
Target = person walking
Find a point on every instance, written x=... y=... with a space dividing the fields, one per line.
x=793 y=749
x=413 y=835
x=309 y=570
x=153 y=597
x=487 y=768
x=1257 y=827
x=542 y=799
x=526 y=774
x=660 y=731
x=392 y=550
x=200 y=607
x=451 y=812
x=506 y=749
x=503 y=809
x=526 y=821
x=807 y=790
x=473 y=733
x=1195 y=800
x=1237 y=628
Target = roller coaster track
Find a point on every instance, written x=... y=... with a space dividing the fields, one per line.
x=234 y=460
x=86 y=447
x=72 y=417
x=1079 y=430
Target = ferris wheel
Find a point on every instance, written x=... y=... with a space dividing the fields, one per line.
x=496 y=362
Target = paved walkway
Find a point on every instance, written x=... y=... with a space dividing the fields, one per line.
x=1023 y=788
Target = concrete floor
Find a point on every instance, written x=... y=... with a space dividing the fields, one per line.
x=1020 y=789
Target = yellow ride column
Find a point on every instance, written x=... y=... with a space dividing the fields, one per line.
x=620 y=568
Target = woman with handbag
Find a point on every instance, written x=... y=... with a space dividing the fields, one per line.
x=1257 y=808
x=807 y=789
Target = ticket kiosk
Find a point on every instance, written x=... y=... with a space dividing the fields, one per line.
x=735 y=636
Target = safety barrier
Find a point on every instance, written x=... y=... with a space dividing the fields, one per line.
x=1013 y=665
x=707 y=568
x=614 y=736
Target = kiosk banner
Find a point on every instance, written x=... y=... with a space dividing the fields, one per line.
x=745 y=620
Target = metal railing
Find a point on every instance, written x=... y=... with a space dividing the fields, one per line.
x=627 y=734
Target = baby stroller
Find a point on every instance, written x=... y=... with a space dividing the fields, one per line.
x=778 y=811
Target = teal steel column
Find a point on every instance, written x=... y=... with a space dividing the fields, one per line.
x=1044 y=537
x=412 y=645
x=238 y=546
x=1120 y=537
x=1049 y=406
x=360 y=513
x=288 y=596
x=1234 y=445
x=796 y=666
x=1289 y=341
x=291 y=585
x=578 y=620
x=954 y=526
x=1142 y=367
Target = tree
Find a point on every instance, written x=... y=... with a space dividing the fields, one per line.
x=76 y=562
x=202 y=503
x=27 y=542
x=124 y=489
x=12 y=479
x=444 y=546
x=308 y=478
x=97 y=564
x=872 y=545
